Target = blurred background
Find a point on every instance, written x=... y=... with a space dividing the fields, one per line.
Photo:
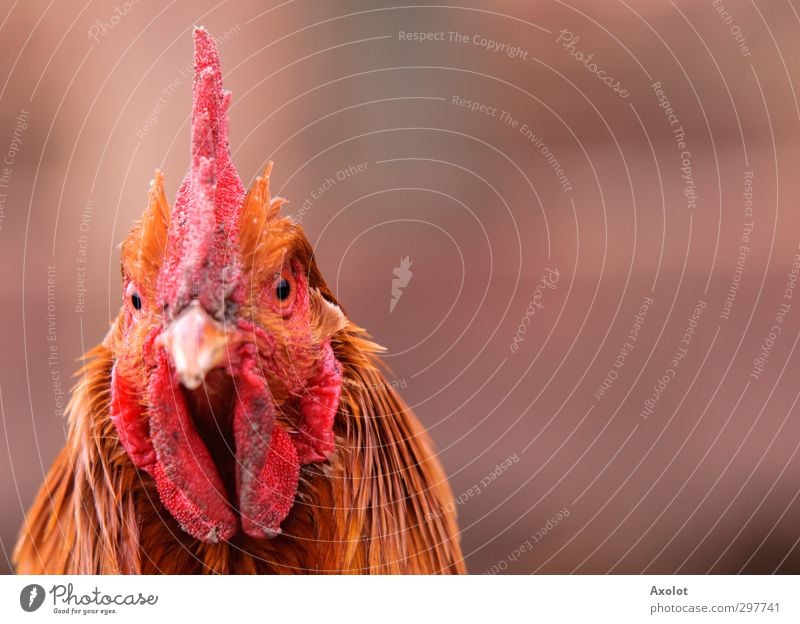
x=598 y=207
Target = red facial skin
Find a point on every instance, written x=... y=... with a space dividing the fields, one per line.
x=273 y=361
x=161 y=438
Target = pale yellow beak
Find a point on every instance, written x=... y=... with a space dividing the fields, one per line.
x=196 y=343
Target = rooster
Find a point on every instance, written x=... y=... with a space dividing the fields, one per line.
x=234 y=420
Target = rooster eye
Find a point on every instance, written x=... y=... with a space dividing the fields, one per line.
x=132 y=295
x=283 y=289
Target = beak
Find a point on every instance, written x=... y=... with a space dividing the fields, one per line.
x=196 y=343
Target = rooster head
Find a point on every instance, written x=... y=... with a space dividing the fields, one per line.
x=224 y=382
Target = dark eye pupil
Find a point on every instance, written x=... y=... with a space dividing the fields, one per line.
x=136 y=300
x=283 y=289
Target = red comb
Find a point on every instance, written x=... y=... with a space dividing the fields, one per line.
x=201 y=259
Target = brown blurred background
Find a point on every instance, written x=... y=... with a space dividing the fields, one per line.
x=573 y=178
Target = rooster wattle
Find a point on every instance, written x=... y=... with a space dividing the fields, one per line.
x=234 y=420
